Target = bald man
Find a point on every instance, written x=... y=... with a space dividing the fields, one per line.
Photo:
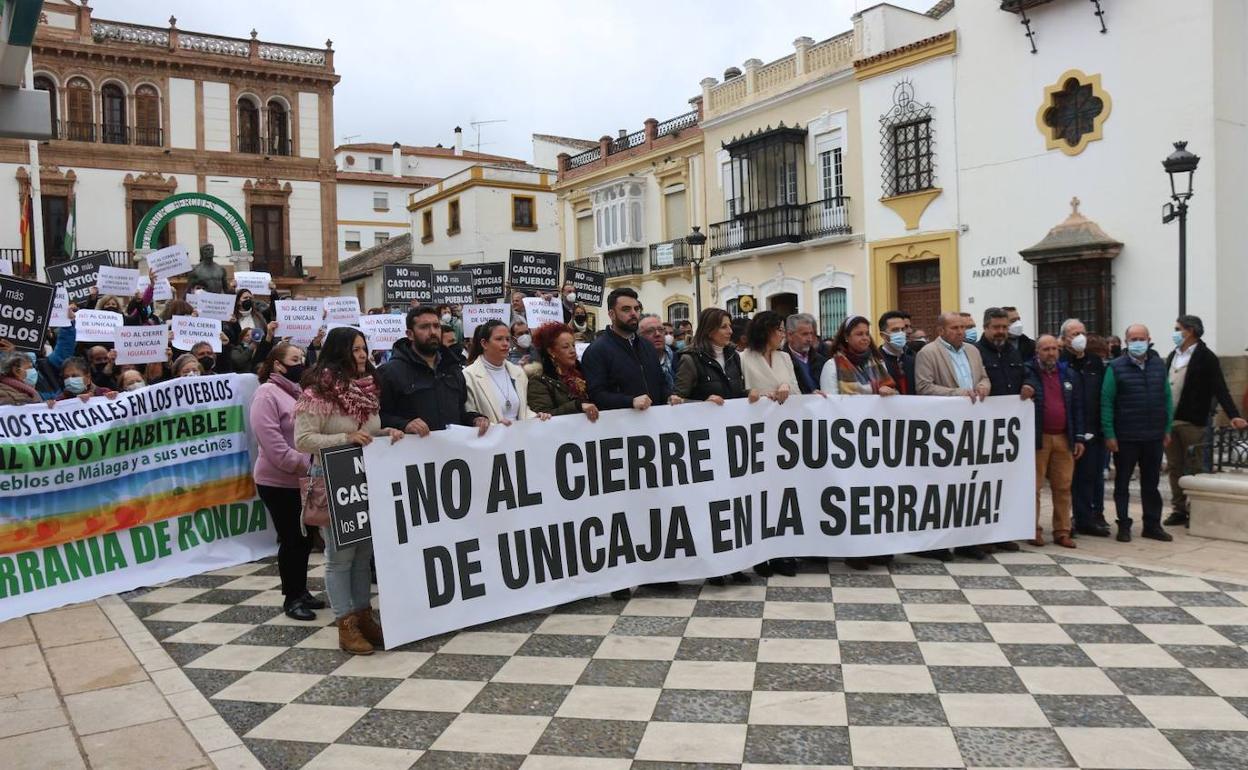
x=1136 y=412
x=1058 y=397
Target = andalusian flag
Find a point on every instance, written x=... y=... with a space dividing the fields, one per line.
x=71 y=228
x=25 y=225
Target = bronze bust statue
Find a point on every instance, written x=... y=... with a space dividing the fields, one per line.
x=207 y=273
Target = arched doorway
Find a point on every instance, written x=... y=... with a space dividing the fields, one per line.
x=147 y=233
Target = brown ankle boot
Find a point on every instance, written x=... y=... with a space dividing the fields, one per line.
x=1038 y=540
x=370 y=629
x=349 y=637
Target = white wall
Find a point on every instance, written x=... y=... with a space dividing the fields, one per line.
x=217 y=116
x=230 y=190
x=355 y=205
x=305 y=222
x=309 y=125
x=182 y=113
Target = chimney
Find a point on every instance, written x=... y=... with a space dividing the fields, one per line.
x=459 y=140
x=396 y=159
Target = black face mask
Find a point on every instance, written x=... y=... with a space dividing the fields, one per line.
x=295 y=373
x=207 y=362
x=1115 y=351
x=915 y=346
x=580 y=319
x=245 y=306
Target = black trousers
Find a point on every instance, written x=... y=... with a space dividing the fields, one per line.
x=293 y=546
x=1147 y=455
x=1089 y=487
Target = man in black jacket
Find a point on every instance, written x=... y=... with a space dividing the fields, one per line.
x=1026 y=345
x=422 y=387
x=1195 y=381
x=1002 y=360
x=622 y=371
x=1088 y=490
x=808 y=362
x=898 y=356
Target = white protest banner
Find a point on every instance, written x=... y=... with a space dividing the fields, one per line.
x=6 y=267
x=188 y=330
x=383 y=330
x=97 y=325
x=299 y=319
x=60 y=309
x=142 y=344
x=170 y=261
x=540 y=311
x=469 y=529
x=255 y=282
x=162 y=292
x=342 y=310
x=122 y=281
x=109 y=495
x=473 y=316
x=212 y=305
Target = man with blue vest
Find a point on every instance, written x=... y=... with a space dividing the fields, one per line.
x=1136 y=411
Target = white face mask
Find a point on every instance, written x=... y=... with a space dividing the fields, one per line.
x=1016 y=328
x=134 y=386
x=524 y=340
x=570 y=296
x=669 y=340
x=446 y=318
x=1079 y=343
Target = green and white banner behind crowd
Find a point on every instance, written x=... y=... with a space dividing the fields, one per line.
x=109 y=495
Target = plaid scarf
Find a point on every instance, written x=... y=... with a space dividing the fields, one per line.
x=356 y=398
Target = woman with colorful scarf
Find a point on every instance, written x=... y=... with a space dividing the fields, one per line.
x=339 y=405
x=279 y=466
x=557 y=385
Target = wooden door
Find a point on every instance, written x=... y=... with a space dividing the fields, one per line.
x=266 y=233
x=918 y=293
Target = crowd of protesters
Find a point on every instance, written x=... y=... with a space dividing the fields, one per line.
x=1094 y=397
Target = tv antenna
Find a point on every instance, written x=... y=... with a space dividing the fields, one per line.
x=476 y=125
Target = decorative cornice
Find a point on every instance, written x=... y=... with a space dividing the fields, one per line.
x=944 y=44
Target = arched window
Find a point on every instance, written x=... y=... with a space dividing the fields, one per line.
x=248 y=126
x=279 y=128
x=80 y=126
x=113 y=117
x=677 y=312
x=147 y=116
x=833 y=307
x=44 y=83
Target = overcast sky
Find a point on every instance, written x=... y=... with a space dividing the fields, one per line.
x=412 y=70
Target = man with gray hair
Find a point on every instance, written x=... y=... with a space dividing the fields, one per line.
x=652 y=331
x=1088 y=487
x=800 y=339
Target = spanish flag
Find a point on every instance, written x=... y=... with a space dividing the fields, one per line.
x=25 y=230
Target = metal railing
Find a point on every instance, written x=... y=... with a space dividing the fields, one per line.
x=627 y=142
x=277 y=146
x=678 y=123
x=1225 y=449
x=789 y=223
x=149 y=136
x=279 y=265
x=114 y=133
x=624 y=262
x=585 y=158
x=17 y=259
x=587 y=263
x=249 y=143
x=77 y=132
x=669 y=254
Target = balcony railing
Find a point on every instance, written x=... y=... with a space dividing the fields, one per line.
x=149 y=136
x=587 y=263
x=279 y=265
x=112 y=133
x=627 y=142
x=673 y=125
x=624 y=262
x=77 y=132
x=670 y=254
x=277 y=146
x=791 y=223
x=249 y=143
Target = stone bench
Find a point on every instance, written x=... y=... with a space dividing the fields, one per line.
x=1219 y=505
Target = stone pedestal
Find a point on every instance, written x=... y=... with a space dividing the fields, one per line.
x=1219 y=505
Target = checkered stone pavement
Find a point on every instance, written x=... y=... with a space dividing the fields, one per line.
x=1027 y=660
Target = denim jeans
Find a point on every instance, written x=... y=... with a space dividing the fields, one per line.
x=348 y=580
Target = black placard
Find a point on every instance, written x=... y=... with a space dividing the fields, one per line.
x=533 y=270
x=25 y=307
x=488 y=280
x=77 y=275
x=452 y=287
x=589 y=285
x=347 y=490
x=405 y=283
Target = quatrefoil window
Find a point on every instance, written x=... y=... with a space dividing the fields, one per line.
x=1073 y=112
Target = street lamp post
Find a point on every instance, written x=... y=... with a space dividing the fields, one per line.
x=1181 y=166
x=696 y=240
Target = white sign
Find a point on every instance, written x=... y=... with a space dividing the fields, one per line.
x=299 y=319
x=540 y=311
x=170 y=261
x=142 y=344
x=97 y=325
x=162 y=292
x=255 y=282
x=212 y=305
x=469 y=529
x=475 y=315
x=6 y=267
x=60 y=309
x=189 y=330
x=383 y=330
x=342 y=310
x=664 y=254
x=121 y=281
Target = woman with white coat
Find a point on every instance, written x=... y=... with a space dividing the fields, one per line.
x=497 y=388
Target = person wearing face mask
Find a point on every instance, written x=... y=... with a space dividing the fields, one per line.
x=971 y=334
x=1136 y=412
x=1198 y=385
x=76 y=376
x=1026 y=345
x=131 y=380
x=18 y=378
x=918 y=338
x=187 y=365
x=103 y=366
x=894 y=326
x=567 y=296
x=583 y=324
x=1088 y=487
x=1002 y=361
x=651 y=330
x=209 y=362
x=448 y=318
x=521 y=344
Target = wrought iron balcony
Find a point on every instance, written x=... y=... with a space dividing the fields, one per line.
x=277 y=146
x=587 y=263
x=77 y=132
x=624 y=262
x=279 y=265
x=149 y=137
x=791 y=223
x=249 y=143
x=114 y=133
x=669 y=254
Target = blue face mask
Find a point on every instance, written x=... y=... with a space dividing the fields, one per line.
x=897 y=340
x=75 y=385
x=1137 y=348
x=972 y=334
x=32 y=376
x=1177 y=336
